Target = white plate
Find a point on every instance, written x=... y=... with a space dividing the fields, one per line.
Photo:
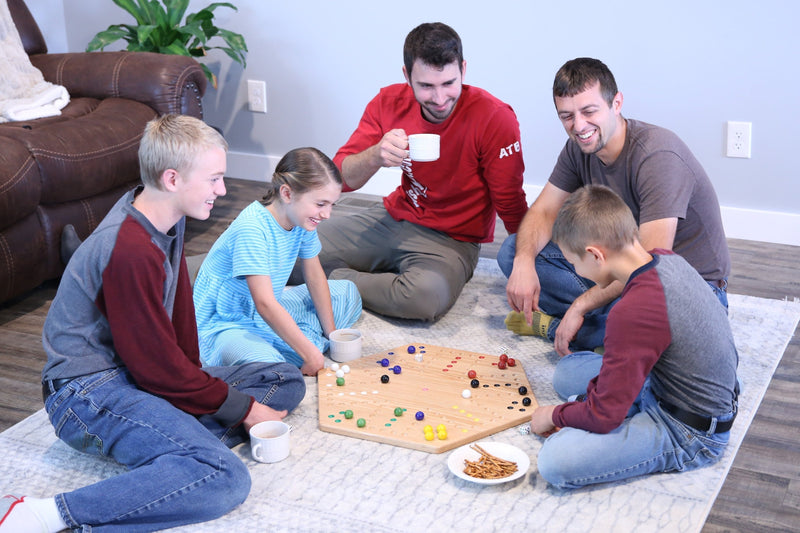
x=499 y=449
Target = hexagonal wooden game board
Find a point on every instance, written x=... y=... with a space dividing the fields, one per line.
x=435 y=386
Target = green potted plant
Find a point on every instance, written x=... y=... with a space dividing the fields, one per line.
x=158 y=28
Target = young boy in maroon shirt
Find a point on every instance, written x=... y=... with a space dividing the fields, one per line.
x=663 y=396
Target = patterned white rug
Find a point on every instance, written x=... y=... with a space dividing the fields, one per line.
x=335 y=483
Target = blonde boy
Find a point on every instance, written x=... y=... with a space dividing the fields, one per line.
x=123 y=377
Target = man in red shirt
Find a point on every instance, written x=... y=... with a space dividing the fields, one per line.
x=412 y=256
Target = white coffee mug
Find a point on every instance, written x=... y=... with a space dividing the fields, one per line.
x=423 y=147
x=345 y=345
x=269 y=441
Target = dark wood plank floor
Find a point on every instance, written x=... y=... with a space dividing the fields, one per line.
x=761 y=493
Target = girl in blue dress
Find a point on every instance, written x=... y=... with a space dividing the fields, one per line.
x=244 y=310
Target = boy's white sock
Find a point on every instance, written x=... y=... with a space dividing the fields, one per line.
x=47 y=511
x=29 y=515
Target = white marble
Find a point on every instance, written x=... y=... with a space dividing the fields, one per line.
x=336 y=483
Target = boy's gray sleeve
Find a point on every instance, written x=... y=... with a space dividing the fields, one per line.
x=233 y=409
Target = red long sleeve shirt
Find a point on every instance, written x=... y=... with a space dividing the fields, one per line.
x=479 y=171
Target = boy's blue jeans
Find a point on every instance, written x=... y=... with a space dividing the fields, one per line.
x=180 y=467
x=560 y=285
x=649 y=440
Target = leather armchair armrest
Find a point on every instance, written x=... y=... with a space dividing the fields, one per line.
x=167 y=83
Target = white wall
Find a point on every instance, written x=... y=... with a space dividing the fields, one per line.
x=49 y=15
x=687 y=65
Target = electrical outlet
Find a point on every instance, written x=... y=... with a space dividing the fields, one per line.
x=257 y=96
x=738 y=140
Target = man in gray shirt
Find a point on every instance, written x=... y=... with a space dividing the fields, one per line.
x=657 y=176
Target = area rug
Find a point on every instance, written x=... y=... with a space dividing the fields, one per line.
x=342 y=484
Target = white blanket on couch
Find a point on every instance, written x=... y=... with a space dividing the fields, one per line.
x=24 y=94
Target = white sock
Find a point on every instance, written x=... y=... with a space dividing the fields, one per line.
x=47 y=511
x=32 y=515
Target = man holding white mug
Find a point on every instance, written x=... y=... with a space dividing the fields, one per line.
x=412 y=256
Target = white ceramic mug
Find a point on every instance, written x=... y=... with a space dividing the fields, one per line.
x=269 y=441
x=423 y=147
x=345 y=345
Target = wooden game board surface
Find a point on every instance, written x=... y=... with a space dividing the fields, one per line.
x=433 y=386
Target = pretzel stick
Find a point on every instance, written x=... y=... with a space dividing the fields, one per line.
x=488 y=466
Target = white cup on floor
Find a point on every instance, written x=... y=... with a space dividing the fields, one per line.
x=345 y=345
x=269 y=441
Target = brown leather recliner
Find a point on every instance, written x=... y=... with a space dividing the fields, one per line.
x=71 y=169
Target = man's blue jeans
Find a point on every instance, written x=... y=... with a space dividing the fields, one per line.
x=649 y=440
x=560 y=285
x=180 y=467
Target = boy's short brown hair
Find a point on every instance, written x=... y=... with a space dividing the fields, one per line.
x=594 y=215
x=173 y=142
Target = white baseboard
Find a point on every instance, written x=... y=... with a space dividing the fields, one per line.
x=252 y=167
x=757 y=225
x=739 y=223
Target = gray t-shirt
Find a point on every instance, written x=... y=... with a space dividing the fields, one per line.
x=658 y=177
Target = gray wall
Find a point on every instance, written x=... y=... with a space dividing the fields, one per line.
x=49 y=14
x=687 y=65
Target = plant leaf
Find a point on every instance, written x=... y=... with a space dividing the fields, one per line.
x=151 y=12
x=234 y=40
x=143 y=34
x=175 y=11
x=236 y=55
x=135 y=10
x=200 y=17
x=210 y=75
x=215 y=5
x=110 y=35
x=158 y=29
x=143 y=9
x=204 y=21
x=158 y=14
x=194 y=30
x=206 y=14
x=176 y=48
